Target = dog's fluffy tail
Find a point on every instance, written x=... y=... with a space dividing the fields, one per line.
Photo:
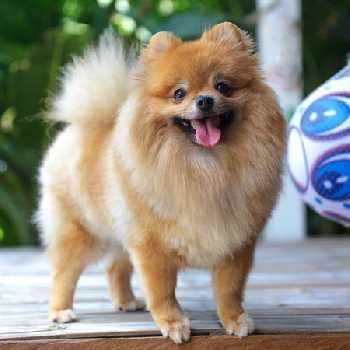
x=93 y=86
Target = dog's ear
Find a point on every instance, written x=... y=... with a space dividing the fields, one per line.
x=162 y=42
x=229 y=33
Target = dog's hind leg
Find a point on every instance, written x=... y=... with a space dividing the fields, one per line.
x=70 y=252
x=119 y=273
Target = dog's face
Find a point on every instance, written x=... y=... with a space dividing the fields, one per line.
x=193 y=91
x=201 y=125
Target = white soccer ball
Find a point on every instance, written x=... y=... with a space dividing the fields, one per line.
x=318 y=155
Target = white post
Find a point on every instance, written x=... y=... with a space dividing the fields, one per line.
x=279 y=48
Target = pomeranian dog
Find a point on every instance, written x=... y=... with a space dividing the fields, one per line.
x=168 y=160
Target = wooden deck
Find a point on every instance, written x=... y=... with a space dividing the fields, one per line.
x=298 y=295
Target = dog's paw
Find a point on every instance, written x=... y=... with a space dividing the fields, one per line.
x=133 y=305
x=177 y=330
x=243 y=326
x=62 y=316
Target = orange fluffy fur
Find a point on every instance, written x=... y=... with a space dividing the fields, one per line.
x=122 y=181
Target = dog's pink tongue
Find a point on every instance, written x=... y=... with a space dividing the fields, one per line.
x=207 y=132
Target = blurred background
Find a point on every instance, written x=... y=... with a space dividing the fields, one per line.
x=37 y=37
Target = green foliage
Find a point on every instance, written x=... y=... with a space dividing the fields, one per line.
x=35 y=41
x=37 y=37
x=326 y=39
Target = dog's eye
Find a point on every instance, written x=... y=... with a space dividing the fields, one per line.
x=223 y=88
x=179 y=94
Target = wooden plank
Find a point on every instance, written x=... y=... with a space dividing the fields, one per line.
x=92 y=326
x=293 y=288
x=271 y=342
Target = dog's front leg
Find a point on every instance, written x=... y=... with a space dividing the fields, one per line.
x=229 y=278
x=158 y=272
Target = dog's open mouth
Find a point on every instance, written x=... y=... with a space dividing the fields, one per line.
x=206 y=131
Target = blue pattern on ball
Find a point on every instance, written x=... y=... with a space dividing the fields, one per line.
x=318 y=200
x=324 y=115
x=331 y=180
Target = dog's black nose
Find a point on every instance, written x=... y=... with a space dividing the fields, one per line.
x=205 y=103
